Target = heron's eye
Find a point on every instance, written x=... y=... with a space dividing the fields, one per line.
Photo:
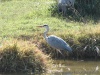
x=45 y=25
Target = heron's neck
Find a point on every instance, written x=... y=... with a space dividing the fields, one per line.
x=46 y=31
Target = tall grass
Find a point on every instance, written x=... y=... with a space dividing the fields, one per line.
x=20 y=56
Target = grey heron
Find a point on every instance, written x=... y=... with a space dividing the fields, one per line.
x=54 y=41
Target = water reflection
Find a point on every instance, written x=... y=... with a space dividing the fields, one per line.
x=62 y=73
x=71 y=68
x=76 y=68
x=69 y=73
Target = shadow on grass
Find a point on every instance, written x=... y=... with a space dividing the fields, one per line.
x=25 y=37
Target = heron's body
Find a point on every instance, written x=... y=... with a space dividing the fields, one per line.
x=55 y=42
x=58 y=43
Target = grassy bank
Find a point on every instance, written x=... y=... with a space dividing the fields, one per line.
x=22 y=56
x=19 y=19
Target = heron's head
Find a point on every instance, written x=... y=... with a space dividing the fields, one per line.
x=44 y=26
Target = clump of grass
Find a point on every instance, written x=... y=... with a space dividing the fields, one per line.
x=22 y=57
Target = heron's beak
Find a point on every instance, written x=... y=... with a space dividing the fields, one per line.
x=40 y=26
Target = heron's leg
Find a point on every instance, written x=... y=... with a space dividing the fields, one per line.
x=60 y=53
x=57 y=53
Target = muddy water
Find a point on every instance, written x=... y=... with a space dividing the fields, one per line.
x=61 y=67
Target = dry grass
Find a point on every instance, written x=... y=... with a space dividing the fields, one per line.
x=21 y=56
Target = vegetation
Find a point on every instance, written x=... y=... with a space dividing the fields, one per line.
x=82 y=11
x=88 y=7
x=22 y=56
x=18 y=20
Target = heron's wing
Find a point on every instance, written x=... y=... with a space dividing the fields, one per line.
x=58 y=43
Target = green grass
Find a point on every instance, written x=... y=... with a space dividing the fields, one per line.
x=18 y=19
x=22 y=17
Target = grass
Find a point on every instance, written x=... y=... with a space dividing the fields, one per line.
x=18 y=20
x=22 y=56
x=22 y=17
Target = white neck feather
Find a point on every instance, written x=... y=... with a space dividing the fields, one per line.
x=46 y=31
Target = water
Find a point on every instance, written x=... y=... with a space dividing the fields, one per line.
x=61 y=67
x=76 y=68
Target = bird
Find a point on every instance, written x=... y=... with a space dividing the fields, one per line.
x=54 y=41
x=97 y=68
